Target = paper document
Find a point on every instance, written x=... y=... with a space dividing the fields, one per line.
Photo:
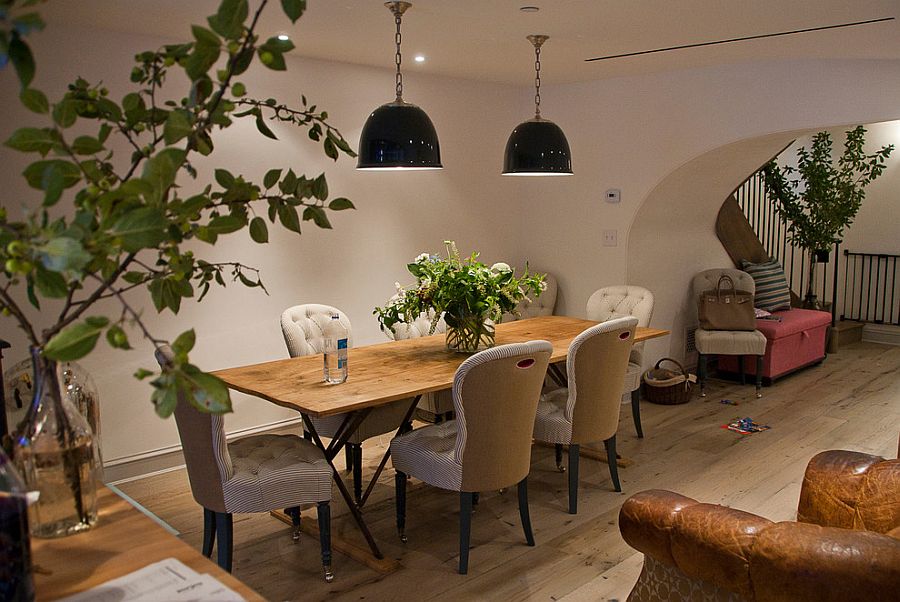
x=168 y=579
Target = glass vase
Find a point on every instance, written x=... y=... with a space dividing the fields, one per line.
x=468 y=333
x=55 y=453
x=16 y=580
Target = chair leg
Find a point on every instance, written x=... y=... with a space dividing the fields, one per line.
x=523 y=511
x=209 y=531
x=357 y=472
x=636 y=411
x=759 y=371
x=701 y=373
x=348 y=456
x=400 y=501
x=741 y=370
x=573 y=477
x=558 y=449
x=610 y=445
x=225 y=531
x=294 y=513
x=465 y=530
x=323 y=513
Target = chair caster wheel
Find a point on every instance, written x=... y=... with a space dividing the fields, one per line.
x=403 y=537
x=295 y=536
x=329 y=574
x=560 y=468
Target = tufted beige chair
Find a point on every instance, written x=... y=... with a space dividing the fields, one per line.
x=488 y=446
x=588 y=410
x=303 y=327
x=436 y=406
x=259 y=473
x=543 y=305
x=727 y=342
x=616 y=302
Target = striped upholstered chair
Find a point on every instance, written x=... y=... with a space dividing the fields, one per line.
x=303 y=327
x=620 y=301
x=259 y=473
x=488 y=446
x=588 y=410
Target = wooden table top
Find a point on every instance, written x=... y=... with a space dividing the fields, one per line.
x=392 y=370
x=123 y=540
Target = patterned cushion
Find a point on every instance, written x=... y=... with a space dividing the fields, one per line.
x=428 y=454
x=275 y=471
x=551 y=424
x=772 y=291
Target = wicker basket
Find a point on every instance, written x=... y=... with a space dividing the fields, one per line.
x=668 y=387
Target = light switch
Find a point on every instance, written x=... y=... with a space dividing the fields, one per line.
x=610 y=238
x=613 y=195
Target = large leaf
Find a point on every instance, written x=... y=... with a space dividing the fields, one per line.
x=184 y=343
x=259 y=232
x=340 y=204
x=142 y=228
x=31 y=140
x=160 y=172
x=229 y=19
x=293 y=8
x=178 y=125
x=63 y=253
x=86 y=145
x=39 y=173
x=76 y=340
x=22 y=60
x=50 y=284
x=226 y=224
x=206 y=392
x=34 y=100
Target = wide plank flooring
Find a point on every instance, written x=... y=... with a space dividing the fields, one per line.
x=850 y=401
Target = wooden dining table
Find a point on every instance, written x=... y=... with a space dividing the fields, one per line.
x=383 y=373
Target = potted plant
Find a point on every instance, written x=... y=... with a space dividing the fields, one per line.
x=104 y=223
x=819 y=198
x=469 y=295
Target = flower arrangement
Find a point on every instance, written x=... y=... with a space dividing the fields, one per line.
x=469 y=295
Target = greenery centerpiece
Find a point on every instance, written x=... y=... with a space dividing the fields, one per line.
x=819 y=198
x=470 y=296
x=106 y=225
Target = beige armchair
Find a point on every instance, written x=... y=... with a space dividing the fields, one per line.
x=845 y=544
x=727 y=342
x=488 y=446
x=259 y=473
x=588 y=410
x=616 y=302
x=303 y=327
x=542 y=305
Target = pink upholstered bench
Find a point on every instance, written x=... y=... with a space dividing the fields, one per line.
x=797 y=341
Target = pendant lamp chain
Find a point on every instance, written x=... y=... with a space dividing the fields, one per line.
x=538 y=41
x=398 y=8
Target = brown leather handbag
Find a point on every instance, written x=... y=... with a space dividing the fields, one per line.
x=725 y=308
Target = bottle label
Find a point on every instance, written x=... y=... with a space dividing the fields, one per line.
x=342 y=353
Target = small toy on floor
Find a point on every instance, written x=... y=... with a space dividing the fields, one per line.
x=729 y=402
x=745 y=426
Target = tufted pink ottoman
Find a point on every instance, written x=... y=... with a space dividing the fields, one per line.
x=796 y=341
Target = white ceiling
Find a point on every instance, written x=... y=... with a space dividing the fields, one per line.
x=485 y=39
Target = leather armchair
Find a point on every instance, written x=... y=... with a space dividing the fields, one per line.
x=845 y=544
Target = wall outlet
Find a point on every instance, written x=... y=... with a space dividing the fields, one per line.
x=610 y=238
x=613 y=195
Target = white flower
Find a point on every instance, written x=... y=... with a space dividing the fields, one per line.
x=421 y=257
x=501 y=267
x=399 y=287
x=543 y=285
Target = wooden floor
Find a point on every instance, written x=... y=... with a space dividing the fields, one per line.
x=851 y=401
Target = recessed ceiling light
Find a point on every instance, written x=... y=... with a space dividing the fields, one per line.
x=284 y=37
x=529 y=9
x=419 y=58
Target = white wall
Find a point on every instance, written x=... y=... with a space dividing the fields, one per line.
x=628 y=133
x=353 y=266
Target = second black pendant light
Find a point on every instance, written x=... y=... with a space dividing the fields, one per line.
x=537 y=147
x=398 y=135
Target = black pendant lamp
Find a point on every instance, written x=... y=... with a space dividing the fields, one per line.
x=537 y=147
x=398 y=135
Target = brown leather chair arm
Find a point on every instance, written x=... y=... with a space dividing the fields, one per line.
x=851 y=490
x=704 y=541
x=802 y=562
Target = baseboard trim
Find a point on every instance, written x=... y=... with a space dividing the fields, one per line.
x=881 y=333
x=165 y=459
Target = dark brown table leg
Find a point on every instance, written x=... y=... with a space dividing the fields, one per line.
x=387 y=453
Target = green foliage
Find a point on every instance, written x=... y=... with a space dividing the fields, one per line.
x=458 y=288
x=122 y=222
x=818 y=199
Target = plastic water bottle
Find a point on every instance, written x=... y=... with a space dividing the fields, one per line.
x=335 y=368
